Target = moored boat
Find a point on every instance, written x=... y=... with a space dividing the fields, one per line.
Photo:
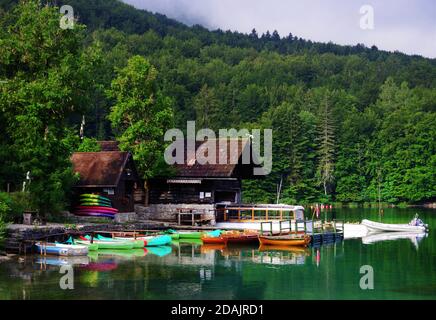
x=285 y=240
x=190 y=234
x=240 y=237
x=61 y=249
x=416 y=225
x=149 y=241
x=127 y=245
x=214 y=240
x=137 y=243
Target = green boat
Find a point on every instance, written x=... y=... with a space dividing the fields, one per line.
x=190 y=235
x=108 y=244
x=137 y=244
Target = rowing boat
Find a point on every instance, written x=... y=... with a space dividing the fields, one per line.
x=214 y=240
x=285 y=240
x=61 y=249
x=149 y=241
x=240 y=237
x=190 y=234
x=390 y=227
x=108 y=244
x=137 y=243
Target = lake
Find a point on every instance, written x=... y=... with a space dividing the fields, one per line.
x=402 y=269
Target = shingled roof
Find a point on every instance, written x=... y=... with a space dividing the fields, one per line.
x=232 y=156
x=99 y=169
x=191 y=168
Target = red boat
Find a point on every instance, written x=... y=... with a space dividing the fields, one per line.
x=214 y=240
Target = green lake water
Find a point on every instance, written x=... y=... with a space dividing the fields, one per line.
x=403 y=269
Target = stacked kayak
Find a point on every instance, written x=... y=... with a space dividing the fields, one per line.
x=94 y=205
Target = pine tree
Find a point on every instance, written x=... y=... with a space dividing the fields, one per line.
x=326 y=151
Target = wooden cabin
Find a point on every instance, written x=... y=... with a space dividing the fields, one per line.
x=195 y=183
x=109 y=173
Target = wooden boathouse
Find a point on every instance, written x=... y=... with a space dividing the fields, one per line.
x=199 y=188
x=109 y=173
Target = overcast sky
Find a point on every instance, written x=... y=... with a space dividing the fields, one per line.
x=404 y=25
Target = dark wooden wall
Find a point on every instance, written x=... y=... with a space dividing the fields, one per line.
x=162 y=192
x=123 y=197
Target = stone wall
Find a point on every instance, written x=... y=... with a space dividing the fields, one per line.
x=168 y=212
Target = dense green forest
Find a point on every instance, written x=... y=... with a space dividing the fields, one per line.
x=350 y=123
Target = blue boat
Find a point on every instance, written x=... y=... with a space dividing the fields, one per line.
x=61 y=249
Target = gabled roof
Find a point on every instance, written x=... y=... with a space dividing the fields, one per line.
x=99 y=169
x=230 y=151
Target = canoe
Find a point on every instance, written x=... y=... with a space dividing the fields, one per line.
x=286 y=240
x=387 y=227
x=155 y=241
x=137 y=243
x=108 y=244
x=174 y=236
x=240 y=237
x=150 y=241
x=61 y=249
x=190 y=235
x=188 y=241
x=96 y=208
x=214 y=240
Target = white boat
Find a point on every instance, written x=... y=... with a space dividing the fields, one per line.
x=61 y=249
x=390 y=227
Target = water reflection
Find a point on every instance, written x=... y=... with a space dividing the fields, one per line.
x=414 y=237
x=189 y=270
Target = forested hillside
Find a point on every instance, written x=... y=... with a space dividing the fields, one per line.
x=351 y=124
